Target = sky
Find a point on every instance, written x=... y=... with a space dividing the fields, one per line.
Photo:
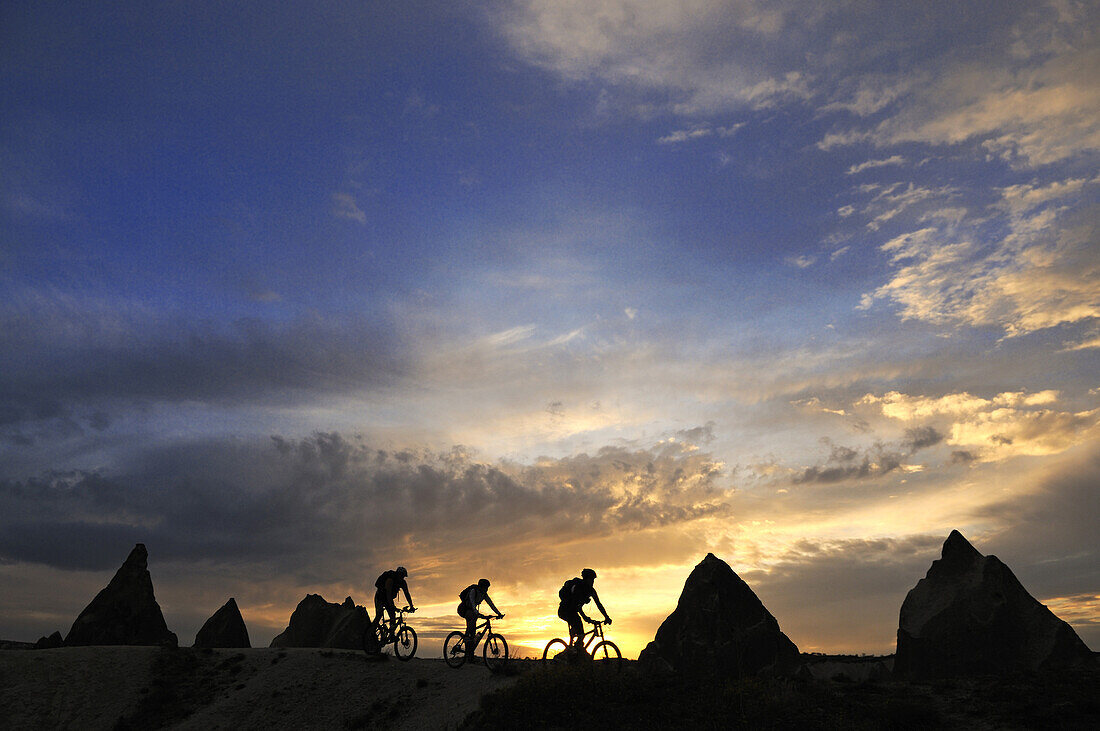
x=295 y=293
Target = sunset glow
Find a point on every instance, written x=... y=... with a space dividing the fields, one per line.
x=294 y=295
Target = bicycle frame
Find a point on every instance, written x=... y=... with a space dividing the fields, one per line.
x=390 y=627
x=480 y=630
x=591 y=635
x=591 y=644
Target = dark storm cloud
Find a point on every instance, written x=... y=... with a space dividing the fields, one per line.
x=65 y=369
x=1048 y=536
x=861 y=581
x=919 y=438
x=845 y=463
x=319 y=508
x=836 y=570
x=962 y=456
x=698 y=435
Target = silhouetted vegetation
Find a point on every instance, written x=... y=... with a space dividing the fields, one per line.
x=182 y=680
x=575 y=697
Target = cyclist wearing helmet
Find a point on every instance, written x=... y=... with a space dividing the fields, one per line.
x=387 y=585
x=574 y=594
x=472 y=596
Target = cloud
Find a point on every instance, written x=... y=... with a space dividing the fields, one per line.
x=345 y=206
x=992 y=429
x=709 y=54
x=68 y=358
x=872 y=93
x=895 y=199
x=870 y=164
x=320 y=508
x=694 y=133
x=862 y=578
x=1022 y=198
x=845 y=463
x=683 y=135
x=1028 y=95
x=1048 y=533
x=1089 y=343
x=1019 y=83
x=1037 y=270
x=1038 y=117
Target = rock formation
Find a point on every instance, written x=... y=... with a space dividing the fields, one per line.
x=125 y=612
x=970 y=615
x=48 y=643
x=317 y=623
x=225 y=628
x=720 y=624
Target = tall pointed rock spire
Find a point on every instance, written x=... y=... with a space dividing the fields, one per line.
x=719 y=623
x=971 y=615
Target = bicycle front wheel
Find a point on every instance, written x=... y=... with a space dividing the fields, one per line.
x=454 y=649
x=554 y=648
x=607 y=657
x=404 y=644
x=495 y=652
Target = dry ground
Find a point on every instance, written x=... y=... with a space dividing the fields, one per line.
x=146 y=687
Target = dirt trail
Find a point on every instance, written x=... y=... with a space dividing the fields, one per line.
x=95 y=687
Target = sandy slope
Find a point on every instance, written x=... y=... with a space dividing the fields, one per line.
x=93 y=687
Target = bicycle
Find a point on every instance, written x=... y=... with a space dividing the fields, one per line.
x=494 y=650
x=395 y=631
x=604 y=652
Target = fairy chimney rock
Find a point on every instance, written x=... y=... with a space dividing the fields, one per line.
x=225 y=628
x=125 y=612
x=720 y=624
x=319 y=623
x=970 y=615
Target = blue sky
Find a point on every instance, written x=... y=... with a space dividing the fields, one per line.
x=629 y=280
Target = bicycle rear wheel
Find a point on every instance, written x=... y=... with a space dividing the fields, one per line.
x=404 y=644
x=554 y=648
x=607 y=657
x=454 y=649
x=371 y=645
x=495 y=652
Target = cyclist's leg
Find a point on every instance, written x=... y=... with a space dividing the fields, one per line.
x=471 y=628
x=383 y=606
x=576 y=627
x=379 y=606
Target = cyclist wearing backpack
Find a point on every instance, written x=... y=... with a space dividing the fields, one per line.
x=386 y=586
x=574 y=594
x=469 y=598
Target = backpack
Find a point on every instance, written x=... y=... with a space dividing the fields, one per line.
x=380 y=582
x=565 y=593
x=462 y=594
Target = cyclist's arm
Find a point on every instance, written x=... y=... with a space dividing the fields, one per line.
x=408 y=599
x=596 y=598
x=490 y=603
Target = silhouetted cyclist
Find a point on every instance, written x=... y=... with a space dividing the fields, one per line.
x=471 y=597
x=387 y=585
x=574 y=594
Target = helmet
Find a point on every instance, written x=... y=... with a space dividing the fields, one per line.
x=402 y=571
x=588 y=574
x=483 y=584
